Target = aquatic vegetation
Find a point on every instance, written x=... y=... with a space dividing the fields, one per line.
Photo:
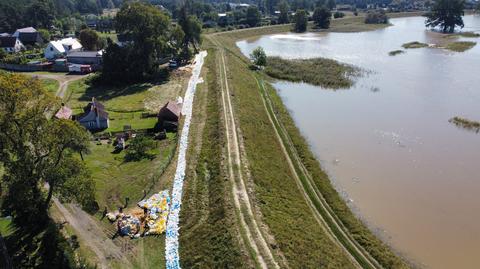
x=463 y=34
x=414 y=45
x=319 y=71
x=466 y=124
x=396 y=52
x=460 y=46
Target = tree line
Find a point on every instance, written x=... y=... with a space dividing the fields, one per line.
x=151 y=37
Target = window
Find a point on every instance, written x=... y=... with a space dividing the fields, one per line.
x=51 y=48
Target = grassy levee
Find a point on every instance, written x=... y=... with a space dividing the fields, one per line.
x=208 y=235
x=303 y=242
x=263 y=154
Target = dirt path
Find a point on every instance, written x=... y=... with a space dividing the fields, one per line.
x=254 y=235
x=91 y=234
x=321 y=209
x=63 y=80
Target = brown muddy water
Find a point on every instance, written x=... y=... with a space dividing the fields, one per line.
x=387 y=143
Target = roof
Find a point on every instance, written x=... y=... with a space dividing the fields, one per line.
x=64 y=113
x=85 y=54
x=7 y=41
x=97 y=107
x=61 y=44
x=26 y=30
x=28 y=37
x=5 y=34
x=173 y=107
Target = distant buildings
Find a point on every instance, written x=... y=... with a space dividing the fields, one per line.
x=85 y=57
x=11 y=44
x=28 y=36
x=60 y=48
x=64 y=113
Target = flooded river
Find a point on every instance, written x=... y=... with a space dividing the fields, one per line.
x=387 y=142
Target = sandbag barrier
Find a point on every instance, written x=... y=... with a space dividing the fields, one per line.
x=171 y=240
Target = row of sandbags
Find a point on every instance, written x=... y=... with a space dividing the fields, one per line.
x=171 y=241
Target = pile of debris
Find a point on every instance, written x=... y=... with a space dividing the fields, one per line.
x=150 y=219
x=156 y=208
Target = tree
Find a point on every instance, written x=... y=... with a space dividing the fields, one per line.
x=253 y=16
x=338 y=15
x=45 y=34
x=192 y=29
x=331 y=4
x=300 y=20
x=321 y=17
x=283 y=8
x=90 y=39
x=40 y=13
x=148 y=28
x=376 y=17
x=270 y=6
x=259 y=57
x=176 y=40
x=40 y=159
x=33 y=148
x=447 y=14
x=138 y=149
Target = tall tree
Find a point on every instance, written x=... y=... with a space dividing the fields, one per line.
x=148 y=28
x=331 y=4
x=40 y=13
x=283 y=8
x=253 y=16
x=321 y=17
x=90 y=39
x=447 y=14
x=40 y=158
x=300 y=20
x=192 y=29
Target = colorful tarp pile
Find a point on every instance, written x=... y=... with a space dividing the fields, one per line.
x=171 y=241
x=128 y=225
x=157 y=207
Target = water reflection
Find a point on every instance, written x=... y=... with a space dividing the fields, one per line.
x=387 y=141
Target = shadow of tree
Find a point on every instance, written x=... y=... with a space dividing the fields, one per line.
x=105 y=93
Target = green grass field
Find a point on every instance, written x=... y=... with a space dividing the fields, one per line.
x=125 y=105
x=51 y=85
x=116 y=179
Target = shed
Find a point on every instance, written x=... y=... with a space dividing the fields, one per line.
x=168 y=116
x=64 y=113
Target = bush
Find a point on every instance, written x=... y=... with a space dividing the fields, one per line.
x=338 y=15
x=259 y=57
x=376 y=17
x=138 y=149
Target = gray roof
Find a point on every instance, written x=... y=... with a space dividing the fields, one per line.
x=27 y=30
x=7 y=41
x=84 y=54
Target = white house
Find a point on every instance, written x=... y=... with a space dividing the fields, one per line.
x=11 y=44
x=61 y=47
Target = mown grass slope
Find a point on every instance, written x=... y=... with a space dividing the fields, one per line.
x=208 y=236
x=302 y=241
